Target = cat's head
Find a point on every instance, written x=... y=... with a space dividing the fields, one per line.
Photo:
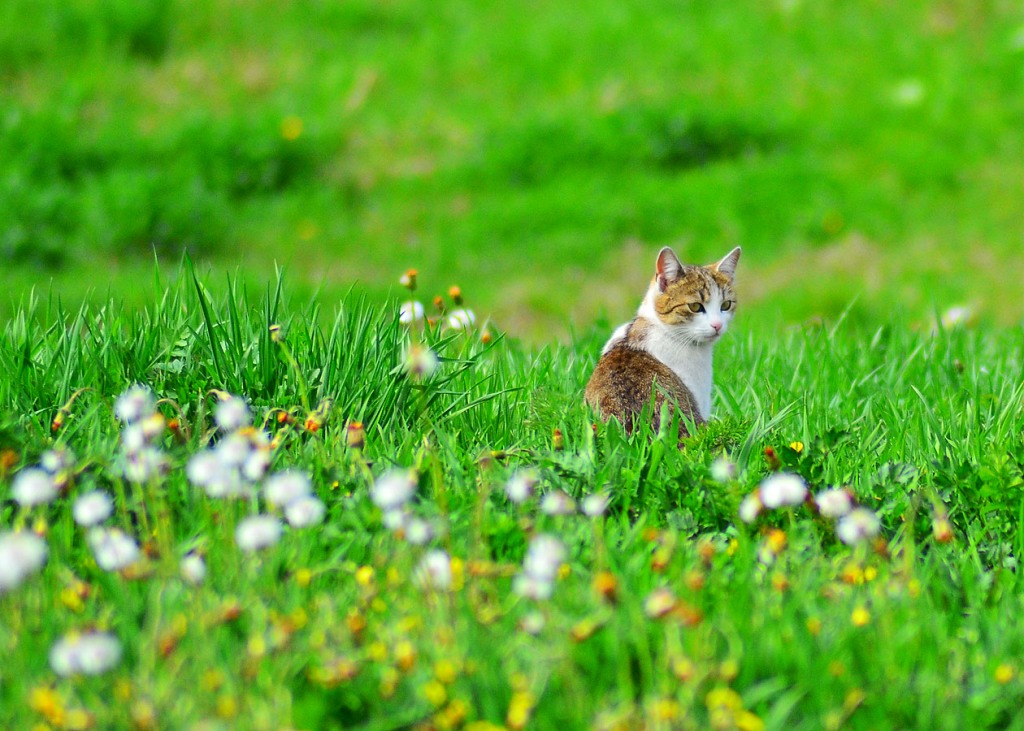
x=696 y=302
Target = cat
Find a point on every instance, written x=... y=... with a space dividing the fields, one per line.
x=666 y=349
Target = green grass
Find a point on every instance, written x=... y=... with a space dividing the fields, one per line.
x=535 y=155
x=916 y=423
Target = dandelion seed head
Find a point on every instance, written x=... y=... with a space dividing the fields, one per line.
x=34 y=486
x=135 y=404
x=232 y=414
x=410 y=312
x=193 y=569
x=258 y=532
x=594 y=506
x=92 y=508
x=834 y=503
x=420 y=362
x=57 y=460
x=750 y=507
x=461 y=319
x=21 y=554
x=723 y=470
x=418 y=532
x=113 y=549
x=305 y=511
x=782 y=489
x=860 y=524
x=286 y=487
x=435 y=570
x=91 y=653
x=393 y=489
x=557 y=502
x=144 y=465
x=520 y=485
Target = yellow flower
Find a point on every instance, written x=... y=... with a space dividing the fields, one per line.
x=519 y=709
x=446 y=671
x=860 y=617
x=723 y=698
x=364 y=575
x=47 y=703
x=747 y=721
x=1004 y=673
x=303 y=577
x=291 y=128
x=435 y=693
x=797 y=447
x=814 y=626
x=227 y=706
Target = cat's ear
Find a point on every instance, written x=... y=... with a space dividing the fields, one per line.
x=668 y=268
x=727 y=265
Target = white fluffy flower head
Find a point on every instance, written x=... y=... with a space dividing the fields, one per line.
x=286 y=487
x=305 y=511
x=92 y=508
x=34 y=486
x=258 y=532
x=520 y=485
x=782 y=489
x=135 y=404
x=113 y=549
x=834 y=503
x=91 y=653
x=21 y=555
x=393 y=489
x=232 y=413
x=860 y=524
x=410 y=312
x=435 y=570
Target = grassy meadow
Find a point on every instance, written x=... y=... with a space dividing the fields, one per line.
x=666 y=611
x=315 y=516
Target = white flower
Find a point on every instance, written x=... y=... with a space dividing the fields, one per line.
x=519 y=487
x=410 y=312
x=34 y=486
x=90 y=653
x=393 y=489
x=532 y=623
x=232 y=413
x=834 y=503
x=134 y=404
x=234 y=449
x=544 y=557
x=420 y=362
x=531 y=587
x=21 y=555
x=394 y=519
x=435 y=570
x=144 y=465
x=193 y=569
x=204 y=468
x=723 y=470
x=56 y=460
x=858 y=525
x=593 y=506
x=257 y=532
x=956 y=316
x=113 y=548
x=256 y=464
x=133 y=438
x=461 y=319
x=92 y=508
x=557 y=502
x=286 y=487
x=750 y=507
x=418 y=531
x=305 y=511
x=782 y=488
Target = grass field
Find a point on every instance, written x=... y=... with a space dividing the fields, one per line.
x=536 y=155
x=480 y=555
x=666 y=611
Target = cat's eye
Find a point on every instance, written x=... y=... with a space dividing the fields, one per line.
x=727 y=305
x=696 y=307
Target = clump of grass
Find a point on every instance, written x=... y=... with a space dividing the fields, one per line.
x=487 y=559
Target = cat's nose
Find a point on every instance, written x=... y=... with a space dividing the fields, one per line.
x=717 y=326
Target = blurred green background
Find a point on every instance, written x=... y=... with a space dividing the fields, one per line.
x=536 y=153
